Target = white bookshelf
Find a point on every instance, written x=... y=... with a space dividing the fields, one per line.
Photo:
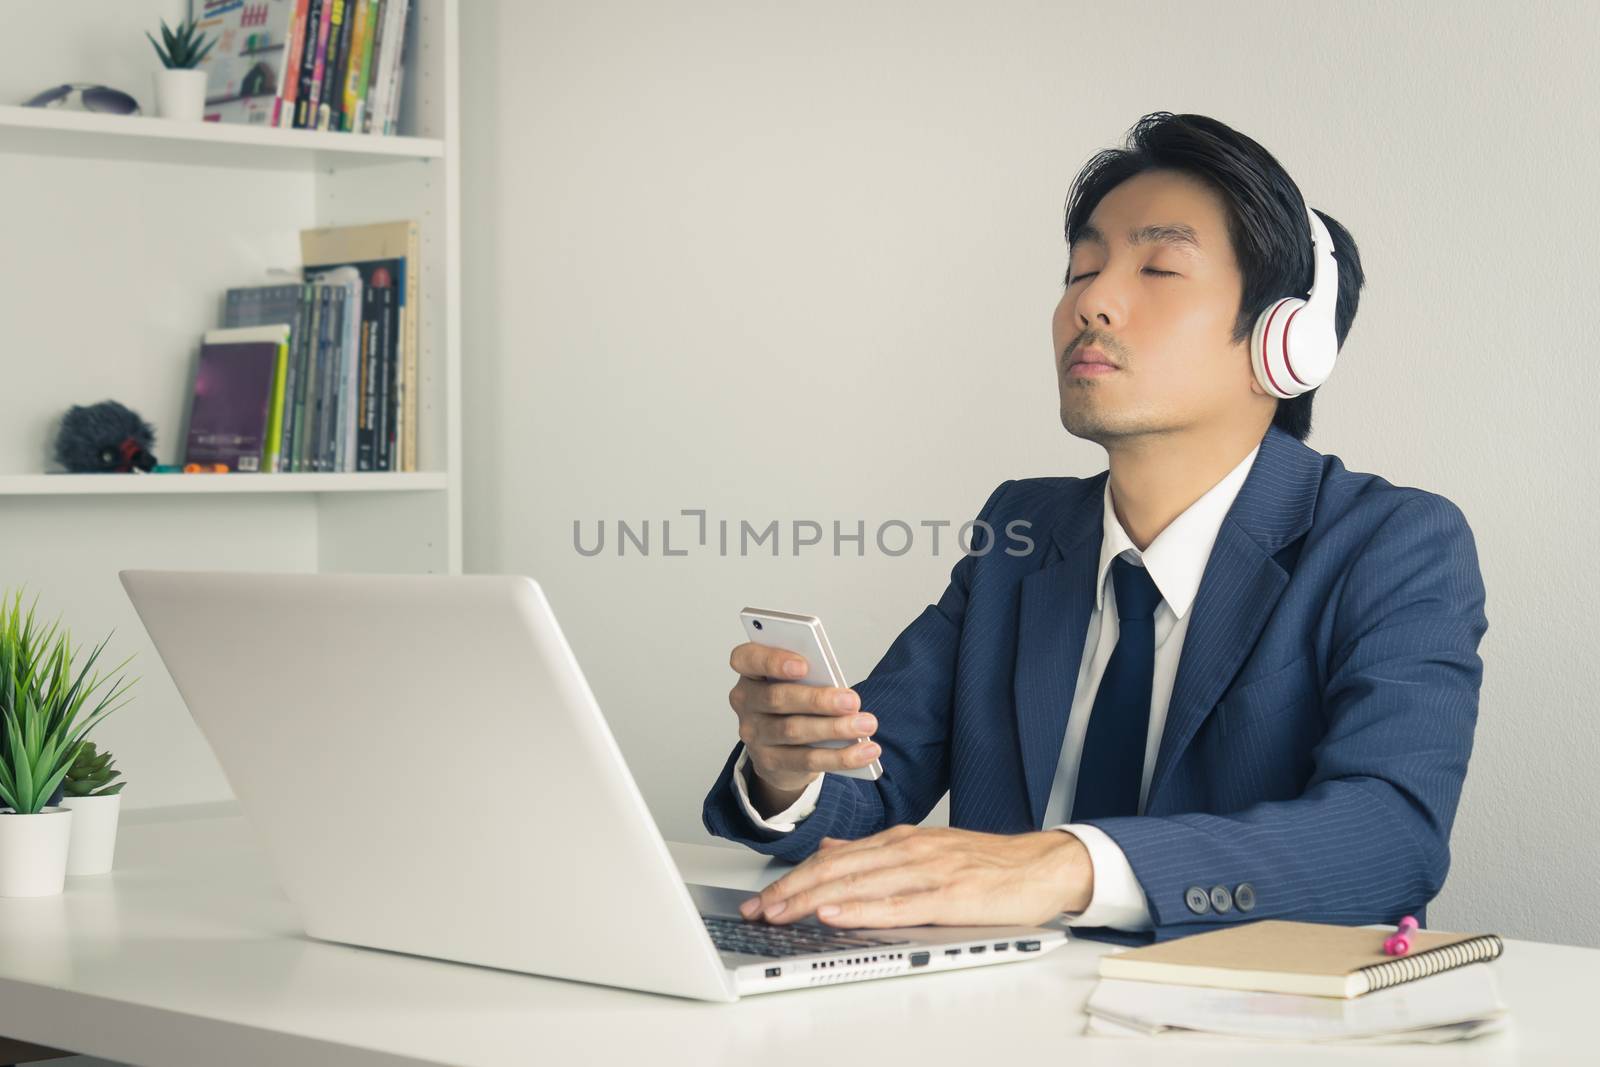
x=158 y=484
x=121 y=235
x=300 y=179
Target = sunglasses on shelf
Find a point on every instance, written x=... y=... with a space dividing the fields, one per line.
x=81 y=96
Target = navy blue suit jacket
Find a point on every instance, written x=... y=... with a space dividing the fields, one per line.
x=1320 y=721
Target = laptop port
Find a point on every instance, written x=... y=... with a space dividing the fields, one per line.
x=975 y=949
x=919 y=959
x=773 y=972
x=952 y=952
x=1001 y=946
x=1027 y=946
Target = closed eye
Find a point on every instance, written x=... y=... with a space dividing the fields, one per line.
x=1147 y=270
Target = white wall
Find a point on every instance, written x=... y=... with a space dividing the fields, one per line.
x=694 y=231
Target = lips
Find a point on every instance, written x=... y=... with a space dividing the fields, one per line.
x=1091 y=356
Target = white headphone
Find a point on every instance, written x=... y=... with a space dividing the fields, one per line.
x=1294 y=344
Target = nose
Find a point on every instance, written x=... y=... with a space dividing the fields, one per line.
x=1096 y=306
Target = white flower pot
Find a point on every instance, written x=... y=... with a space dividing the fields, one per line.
x=94 y=833
x=181 y=94
x=33 y=852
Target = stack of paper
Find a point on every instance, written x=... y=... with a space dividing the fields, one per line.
x=1452 y=1006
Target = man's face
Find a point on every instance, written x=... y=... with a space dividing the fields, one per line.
x=1168 y=335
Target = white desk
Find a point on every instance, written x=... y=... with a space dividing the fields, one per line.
x=188 y=954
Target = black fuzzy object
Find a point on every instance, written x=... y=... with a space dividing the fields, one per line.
x=105 y=438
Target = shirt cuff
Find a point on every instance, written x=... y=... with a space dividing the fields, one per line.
x=785 y=820
x=1117 y=899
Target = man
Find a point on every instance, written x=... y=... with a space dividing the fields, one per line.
x=1232 y=680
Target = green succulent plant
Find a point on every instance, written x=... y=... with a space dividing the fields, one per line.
x=185 y=48
x=92 y=773
x=44 y=710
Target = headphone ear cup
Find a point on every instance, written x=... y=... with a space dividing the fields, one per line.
x=1267 y=354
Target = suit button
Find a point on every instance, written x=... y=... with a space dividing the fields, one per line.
x=1244 y=895
x=1221 y=899
x=1196 y=898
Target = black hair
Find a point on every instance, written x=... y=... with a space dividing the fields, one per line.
x=1266 y=220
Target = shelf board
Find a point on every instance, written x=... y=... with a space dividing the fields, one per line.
x=54 y=132
x=158 y=484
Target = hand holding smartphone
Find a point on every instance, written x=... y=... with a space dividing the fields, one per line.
x=804 y=636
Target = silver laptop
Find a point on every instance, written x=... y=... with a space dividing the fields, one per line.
x=430 y=774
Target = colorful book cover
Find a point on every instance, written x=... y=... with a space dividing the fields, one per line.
x=369 y=69
x=289 y=86
x=246 y=68
x=360 y=44
x=308 y=62
x=319 y=65
x=333 y=71
x=230 y=409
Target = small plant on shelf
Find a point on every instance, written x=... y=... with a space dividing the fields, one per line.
x=180 y=84
x=92 y=774
x=185 y=48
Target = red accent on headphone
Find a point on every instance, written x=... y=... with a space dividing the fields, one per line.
x=1286 y=326
x=1266 y=334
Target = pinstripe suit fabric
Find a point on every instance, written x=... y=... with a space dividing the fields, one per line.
x=1320 y=722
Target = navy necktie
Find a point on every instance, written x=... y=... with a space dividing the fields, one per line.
x=1111 y=768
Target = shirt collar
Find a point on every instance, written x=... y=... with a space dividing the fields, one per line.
x=1177 y=557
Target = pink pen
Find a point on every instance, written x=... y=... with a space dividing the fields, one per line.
x=1399 y=942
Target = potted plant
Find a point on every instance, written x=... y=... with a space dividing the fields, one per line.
x=45 y=712
x=95 y=800
x=180 y=87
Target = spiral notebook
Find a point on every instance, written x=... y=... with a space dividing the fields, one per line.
x=1312 y=959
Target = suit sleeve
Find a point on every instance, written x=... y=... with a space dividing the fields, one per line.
x=911 y=691
x=1368 y=839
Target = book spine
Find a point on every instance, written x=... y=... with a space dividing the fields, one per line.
x=269 y=450
x=391 y=123
x=297 y=348
x=316 y=54
x=360 y=42
x=338 y=54
x=306 y=400
x=369 y=78
x=341 y=396
x=289 y=69
x=383 y=426
x=351 y=386
x=336 y=357
x=333 y=326
x=366 y=435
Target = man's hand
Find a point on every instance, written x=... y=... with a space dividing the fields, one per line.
x=910 y=876
x=779 y=719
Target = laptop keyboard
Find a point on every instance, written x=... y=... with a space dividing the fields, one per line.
x=761 y=939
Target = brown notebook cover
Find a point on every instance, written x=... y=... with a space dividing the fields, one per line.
x=1314 y=959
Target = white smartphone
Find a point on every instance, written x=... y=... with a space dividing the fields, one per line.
x=804 y=636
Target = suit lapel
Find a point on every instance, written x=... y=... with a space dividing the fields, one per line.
x=1053 y=618
x=1239 y=589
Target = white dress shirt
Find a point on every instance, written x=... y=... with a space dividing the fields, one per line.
x=1176 y=560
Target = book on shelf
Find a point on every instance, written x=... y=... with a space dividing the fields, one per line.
x=311 y=64
x=349 y=392
x=386 y=256
x=342 y=65
x=248 y=69
x=236 y=406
